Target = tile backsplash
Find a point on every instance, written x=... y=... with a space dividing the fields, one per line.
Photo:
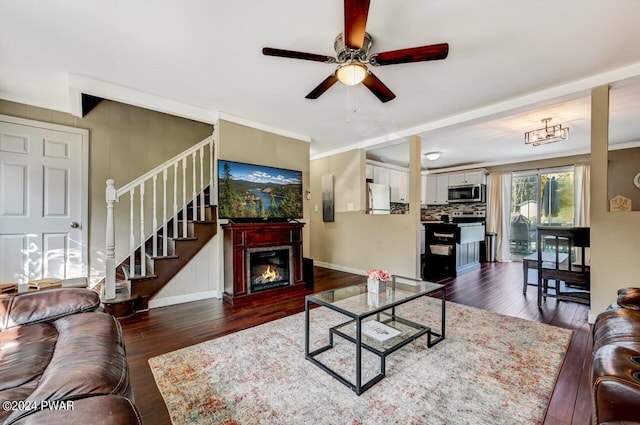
x=398 y=208
x=433 y=212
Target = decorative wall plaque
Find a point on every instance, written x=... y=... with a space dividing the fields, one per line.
x=619 y=203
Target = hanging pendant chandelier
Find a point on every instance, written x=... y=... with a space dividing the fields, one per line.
x=548 y=134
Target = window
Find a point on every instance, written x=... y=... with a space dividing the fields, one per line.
x=541 y=197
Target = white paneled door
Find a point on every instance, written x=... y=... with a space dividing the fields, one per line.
x=43 y=200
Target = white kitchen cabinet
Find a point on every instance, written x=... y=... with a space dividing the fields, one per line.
x=381 y=175
x=470 y=177
x=423 y=189
x=404 y=188
x=399 y=182
x=456 y=179
x=442 y=190
x=369 y=171
x=437 y=190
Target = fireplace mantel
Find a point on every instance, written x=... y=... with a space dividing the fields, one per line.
x=241 y=237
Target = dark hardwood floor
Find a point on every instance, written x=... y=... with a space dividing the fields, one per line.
x=496 y=287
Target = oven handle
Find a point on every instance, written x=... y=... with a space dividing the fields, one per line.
x=443 y=235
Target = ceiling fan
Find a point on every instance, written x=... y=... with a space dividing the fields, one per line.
x=352 y=55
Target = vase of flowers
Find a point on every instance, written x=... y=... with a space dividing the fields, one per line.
x=377 y=280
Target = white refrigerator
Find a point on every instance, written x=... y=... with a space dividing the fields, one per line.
x=378 y=199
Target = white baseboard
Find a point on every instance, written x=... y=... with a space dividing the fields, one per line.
x=340 y=268
x=179 y=299
x=591 y=317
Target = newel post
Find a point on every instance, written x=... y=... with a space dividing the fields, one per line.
x=109 y=291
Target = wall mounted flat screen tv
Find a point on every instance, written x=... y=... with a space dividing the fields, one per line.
x=250 y=192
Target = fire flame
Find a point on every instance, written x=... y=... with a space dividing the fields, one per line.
x=270 y=275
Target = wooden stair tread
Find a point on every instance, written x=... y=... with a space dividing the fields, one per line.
x=145 y=277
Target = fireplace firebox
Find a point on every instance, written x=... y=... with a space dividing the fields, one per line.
x=268 y=268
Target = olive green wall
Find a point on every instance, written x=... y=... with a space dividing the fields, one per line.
x=124 y=142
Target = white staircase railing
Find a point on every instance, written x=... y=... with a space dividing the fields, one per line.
x=177 y=177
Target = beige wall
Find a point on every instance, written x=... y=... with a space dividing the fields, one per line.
x=356 y=241
x=124 y=142
x=245 y=144
x=615 y=236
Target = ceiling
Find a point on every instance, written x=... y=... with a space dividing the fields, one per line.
x=510 y=64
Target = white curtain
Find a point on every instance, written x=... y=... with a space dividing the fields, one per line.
x=499 y=212
x=582 y=201
x=581 y=195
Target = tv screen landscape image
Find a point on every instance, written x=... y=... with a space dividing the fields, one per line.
x=257 y=192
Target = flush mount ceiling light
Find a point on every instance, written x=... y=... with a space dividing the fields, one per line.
x=432 y=156
x=351 y=73
x=548 y=134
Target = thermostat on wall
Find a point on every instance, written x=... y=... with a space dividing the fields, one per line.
x=636 y=180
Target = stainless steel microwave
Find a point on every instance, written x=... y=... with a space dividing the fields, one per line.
x=467 y=193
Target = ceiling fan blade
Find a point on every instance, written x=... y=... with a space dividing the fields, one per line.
x=355 y=22
x=322 y=87
x=415 y=54
x=378 y=88
x=269 y=51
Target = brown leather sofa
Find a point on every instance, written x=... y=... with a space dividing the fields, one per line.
x=61 y=361
x=616 y=362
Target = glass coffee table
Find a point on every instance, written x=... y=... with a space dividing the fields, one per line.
x=373 y=324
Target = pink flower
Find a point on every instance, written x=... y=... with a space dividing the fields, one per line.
x=379 y=274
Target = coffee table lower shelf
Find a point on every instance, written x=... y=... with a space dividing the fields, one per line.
x=351 y=330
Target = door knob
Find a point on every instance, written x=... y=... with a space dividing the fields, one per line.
x=75 y=225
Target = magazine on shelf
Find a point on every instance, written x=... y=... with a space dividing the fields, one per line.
x=379 y=331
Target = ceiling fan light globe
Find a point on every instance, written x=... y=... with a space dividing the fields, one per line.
x=351 y=74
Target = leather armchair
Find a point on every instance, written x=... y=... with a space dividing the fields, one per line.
x=57 y=347
x=616 y=363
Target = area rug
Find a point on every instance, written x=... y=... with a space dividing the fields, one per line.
x=490 y=369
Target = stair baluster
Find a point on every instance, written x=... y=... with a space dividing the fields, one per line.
x=154 y=236
x=132 y=236
x=165 y=223
x=184 y=197
x=175 y=200
x=143 y=269
x=202 y=183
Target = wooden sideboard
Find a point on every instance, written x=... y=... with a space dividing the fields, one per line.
x=240 y=238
